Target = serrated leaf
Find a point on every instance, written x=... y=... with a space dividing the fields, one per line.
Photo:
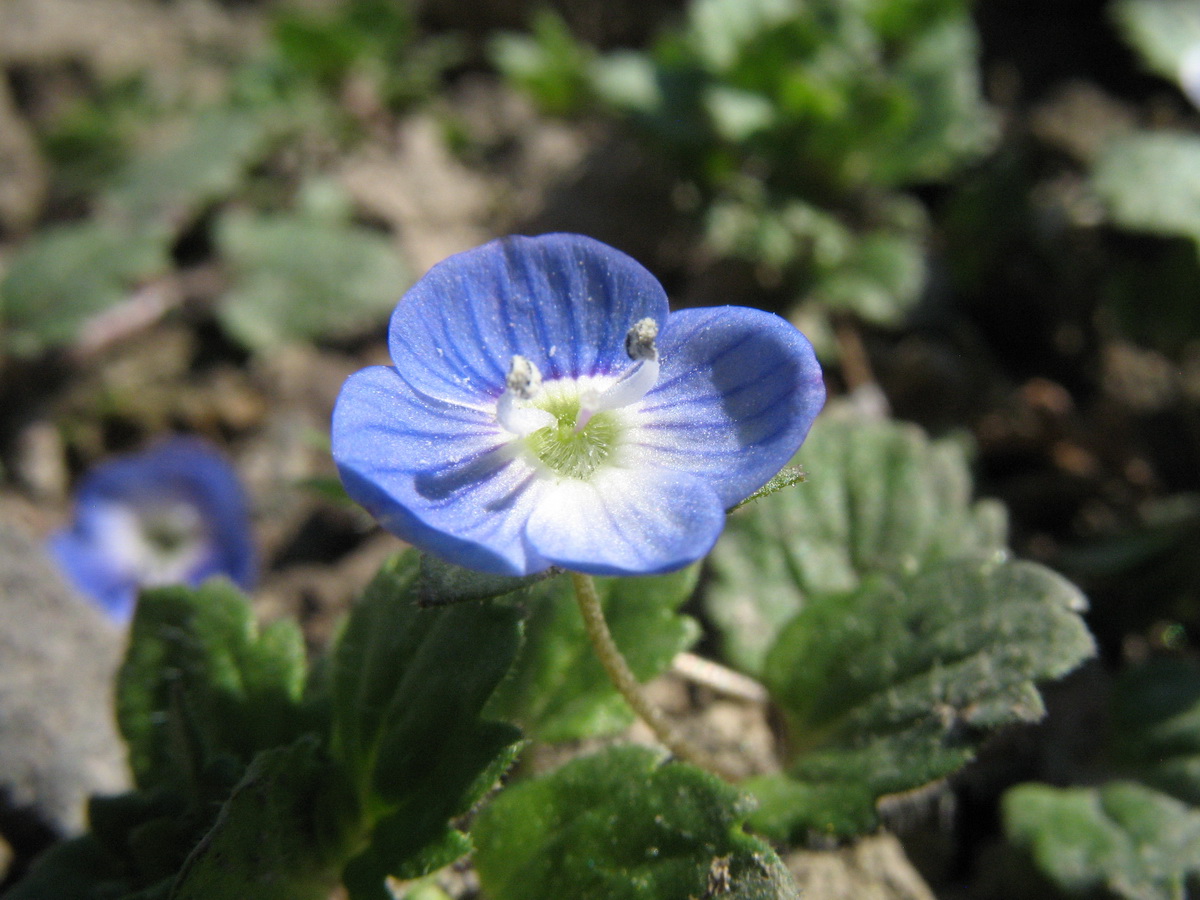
x=879 y=497
x=408 y=685
x=558 y=690
x=302 y=277
x=1156 y=724
x=1129 y=839
x=69 y=273
x=278 y=836
x=621 y=825
x=170 y=185
x=1151 y=182
x=1162 y=30
x=895 y=684
x=201 y=683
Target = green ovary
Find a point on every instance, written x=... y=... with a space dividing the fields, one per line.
x=571 y=453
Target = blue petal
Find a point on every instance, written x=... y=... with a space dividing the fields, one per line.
x=82 y=557
x=180 y=469
x=441 y=476
x=563 y=301
x=626 y=522
x=738 y=390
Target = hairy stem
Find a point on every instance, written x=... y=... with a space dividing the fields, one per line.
x=628 y=686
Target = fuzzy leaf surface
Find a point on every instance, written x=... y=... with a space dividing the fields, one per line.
x=558 y=690
x=621 y=825
x=895 y=684
x=276 y=837
x=408 y=685
x=879 y=498
x=286 y=267
x=201 y=684
x=1122 y=837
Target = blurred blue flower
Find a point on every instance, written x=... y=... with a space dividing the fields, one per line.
x=174 y=514
x=544 y=408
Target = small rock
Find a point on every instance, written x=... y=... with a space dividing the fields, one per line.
x=58 y=655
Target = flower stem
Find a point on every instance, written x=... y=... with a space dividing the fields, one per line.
x=628 y=686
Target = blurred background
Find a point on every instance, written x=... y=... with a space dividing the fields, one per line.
x=986 y=215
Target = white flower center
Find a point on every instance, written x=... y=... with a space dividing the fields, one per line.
x=572 y=425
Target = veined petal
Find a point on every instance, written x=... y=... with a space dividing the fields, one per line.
x=442 y=476
x=565 y=302
x=738 y=391
x=626 y=522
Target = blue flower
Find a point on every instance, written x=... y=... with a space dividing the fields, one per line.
x=545 y=409
x=174 y=514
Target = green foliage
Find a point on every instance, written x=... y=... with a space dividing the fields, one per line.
x=1137 y=835
x=407 y=688
x=377 y=39
x=558 y=690
x=201 y=685
x=621 y=825
x=1129 y=839
x=256 y=774
x=880 y=499
x=205 y=160
x=1156 y=724
x=306 y=275
x=896 y=683
x=795 y=123
x=1161 y=30
x=1151 y=182
x=68 y=274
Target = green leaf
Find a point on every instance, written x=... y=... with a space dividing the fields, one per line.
x=78 y=868
x=1156 y=724
x=621 y=825
x=880 y=279
x=442 y=583
x=206 y=161
x=67 y=274
x=558 y=690
x=895 y=684
x=1129 y=839
x=200 y=683
x=879 y=497
x=278 y=836
x=302 y=277
x=1151 y=182
x=408 y=686
x=1161 y=30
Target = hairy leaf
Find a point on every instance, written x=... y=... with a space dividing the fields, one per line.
x=1124 y=837
x=879 y=497
x=621 y=825
x=201 y=684
x=896 y=683
x=408 y=685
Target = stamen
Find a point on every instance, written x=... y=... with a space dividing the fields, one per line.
x=523 y=382
x=635 y=383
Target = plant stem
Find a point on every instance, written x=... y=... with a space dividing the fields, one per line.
x=628 y=686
